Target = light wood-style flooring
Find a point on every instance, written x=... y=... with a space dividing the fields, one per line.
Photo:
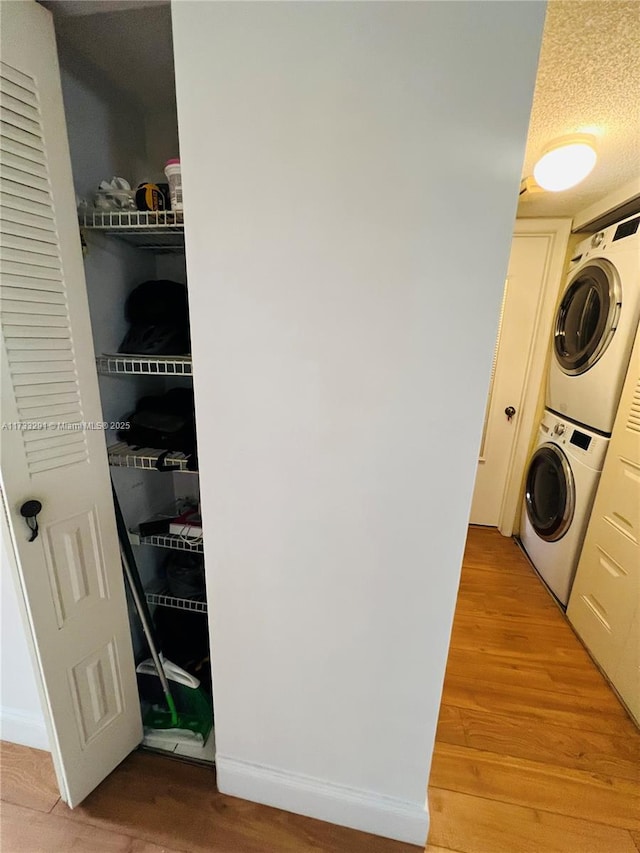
x=534 y=754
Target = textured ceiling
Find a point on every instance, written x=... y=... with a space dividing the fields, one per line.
x=588 y=82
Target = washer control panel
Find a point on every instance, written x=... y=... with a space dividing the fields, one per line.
x=581 y=443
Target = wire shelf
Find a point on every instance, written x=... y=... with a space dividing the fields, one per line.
x=157 y=230
x=163 y=600
x=176 y=543
x=137 y=365
x=122 y=455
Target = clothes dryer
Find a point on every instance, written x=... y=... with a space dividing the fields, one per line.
x=560 y=487
x=595 y=326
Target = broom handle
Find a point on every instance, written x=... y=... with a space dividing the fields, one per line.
x=148 y=631
x=134 y=575
x=146 y=627
x=137 y=593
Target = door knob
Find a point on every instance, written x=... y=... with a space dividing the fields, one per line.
x=29 y=511
x=509 y=412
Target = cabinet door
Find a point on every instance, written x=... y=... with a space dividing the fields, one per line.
x=70 y=574
x=603 y=607
x=626 y=676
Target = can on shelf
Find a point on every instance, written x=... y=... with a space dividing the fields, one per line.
x=174 y=176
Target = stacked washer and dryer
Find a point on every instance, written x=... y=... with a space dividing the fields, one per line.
x=593 y=336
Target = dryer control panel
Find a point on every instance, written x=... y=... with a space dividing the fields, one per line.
x=598 y=242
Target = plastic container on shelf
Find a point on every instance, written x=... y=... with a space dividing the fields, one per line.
x=174 y=176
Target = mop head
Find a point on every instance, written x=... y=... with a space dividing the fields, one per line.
x=158 y=720
x=188 y=717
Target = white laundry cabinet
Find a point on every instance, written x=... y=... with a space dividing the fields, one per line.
x=350 y=182
x=605 y=599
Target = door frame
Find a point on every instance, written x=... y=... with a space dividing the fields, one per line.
x=557 y=232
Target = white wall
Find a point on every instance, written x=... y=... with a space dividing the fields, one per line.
x=106 y=127
x=21 y=717
x=350 y=181
x=162 y=141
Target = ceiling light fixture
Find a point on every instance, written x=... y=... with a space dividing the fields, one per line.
x=565 y=162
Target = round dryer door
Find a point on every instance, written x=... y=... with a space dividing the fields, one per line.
x=550 y=493
x=587 y=317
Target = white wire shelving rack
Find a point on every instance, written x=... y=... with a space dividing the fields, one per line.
x=162 y=599
x=145 y=365
x=157 y=231
x=122 y=455
x=172 y=541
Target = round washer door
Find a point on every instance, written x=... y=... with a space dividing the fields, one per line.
x=550 y=493
x=587 y=316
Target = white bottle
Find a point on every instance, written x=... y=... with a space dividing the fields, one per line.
x=174 y=176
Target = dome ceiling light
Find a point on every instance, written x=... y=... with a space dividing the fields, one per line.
x=565 y=162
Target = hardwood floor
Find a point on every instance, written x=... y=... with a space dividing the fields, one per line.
x=152 y=804
x=534 y=754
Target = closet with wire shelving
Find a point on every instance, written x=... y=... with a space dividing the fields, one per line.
x=124 y=126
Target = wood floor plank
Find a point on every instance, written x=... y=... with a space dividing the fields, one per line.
x=544 y=787
x=511 y=638
x=27 y=777
x=578 y=676
x=28 y=831
x=450 y=727
x=502 y=556
x=524 y=674
x=500 y=564
x=172 y=804
x=583 y=675
x=577 y=749
x=636 y=839
x=430 y=848
x=498 y=605
x=598 y=714
x=518 y=599
x=478 y=825
x=480 y=578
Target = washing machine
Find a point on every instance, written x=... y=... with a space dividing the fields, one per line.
x=561 y=481
x=595 y=326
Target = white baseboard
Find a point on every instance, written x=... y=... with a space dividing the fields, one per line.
x=356 y=809
x=18 y=726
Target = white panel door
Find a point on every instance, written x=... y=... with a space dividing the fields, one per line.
x=519 y=316
x=70 y=575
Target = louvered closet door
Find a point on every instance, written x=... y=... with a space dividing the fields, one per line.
x=70 y=574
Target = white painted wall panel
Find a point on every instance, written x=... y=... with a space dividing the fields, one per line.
x=21 y=717
x=350 y=176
